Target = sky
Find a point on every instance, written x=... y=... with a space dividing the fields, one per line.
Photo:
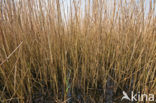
x=110 y=3
x=66 y=3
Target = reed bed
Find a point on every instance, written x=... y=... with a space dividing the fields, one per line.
x=83 y=51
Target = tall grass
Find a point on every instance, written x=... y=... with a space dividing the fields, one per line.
x=53 y=52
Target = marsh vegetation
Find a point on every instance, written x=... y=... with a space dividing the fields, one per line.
x=86 y=52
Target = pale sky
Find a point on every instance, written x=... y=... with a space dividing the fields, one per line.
x=66 y=3
x=110 y=3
